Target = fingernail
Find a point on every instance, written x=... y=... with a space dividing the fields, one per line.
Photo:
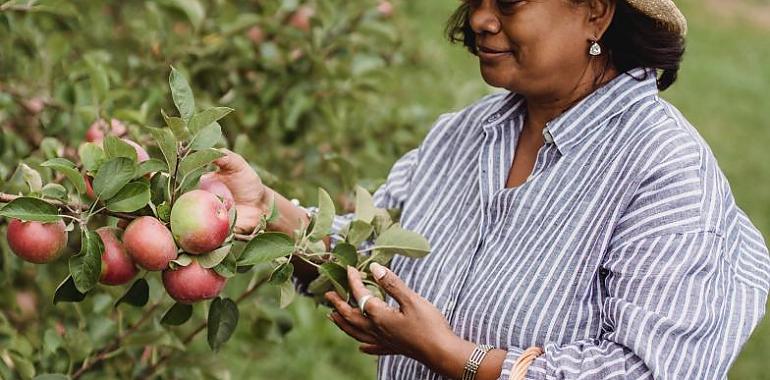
x=378 y=271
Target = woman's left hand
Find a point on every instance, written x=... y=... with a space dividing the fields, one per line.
x=416 y=328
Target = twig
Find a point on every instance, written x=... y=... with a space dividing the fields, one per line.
x=7 y=198
x=106 y=352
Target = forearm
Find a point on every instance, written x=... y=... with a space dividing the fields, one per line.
x=449 y=360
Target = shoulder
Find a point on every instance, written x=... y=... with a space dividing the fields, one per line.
x=678 y=185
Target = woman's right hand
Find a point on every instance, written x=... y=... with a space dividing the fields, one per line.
x=249 y=193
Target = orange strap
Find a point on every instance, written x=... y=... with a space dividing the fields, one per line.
x=521 y=366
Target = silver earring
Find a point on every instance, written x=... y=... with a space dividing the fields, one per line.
x=595 y=49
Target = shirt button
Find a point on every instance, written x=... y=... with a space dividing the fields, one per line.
x=547 y=136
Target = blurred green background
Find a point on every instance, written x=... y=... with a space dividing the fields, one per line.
x=722 y=89
x=365 y=112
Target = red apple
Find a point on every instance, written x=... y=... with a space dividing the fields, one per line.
x=300 y=19
x=256 y=35
x=199 y=221
x=141 y=154
x=99 y=129
x=149 y=243
x=385 y=8
x=209 y=183
x=37 y=242
x=192 y=283
x=117 y=266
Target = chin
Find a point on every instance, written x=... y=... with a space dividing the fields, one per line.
x=498 y=77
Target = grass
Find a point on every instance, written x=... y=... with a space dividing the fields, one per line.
x=722 y=90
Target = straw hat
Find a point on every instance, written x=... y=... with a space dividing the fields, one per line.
x=665 y=11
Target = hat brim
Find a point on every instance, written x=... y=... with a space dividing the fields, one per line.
x=664 y=11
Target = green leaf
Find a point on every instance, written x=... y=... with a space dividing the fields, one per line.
x=346 y=254
x=23 y=366
x=159 y=188
x=177 y=315
x=281 y=274
x=32 y=178
x=320 y=285
x=214 y=257
x=193 y=9
x=207 y=117
x=325 y=216
x=164 y=212
x=182 y=94
x=337 y=275
x=130 y=198
x=364 y=205
x=223 y=318
x=68 y=292
x=182 y=260
x=382 y=221
x=31 y=210
x=207 y=137
x=273 y=212
x=150 y=166
x=399 y=241
x=86 y=266
x=137 y=295
x=112 y=176
x=55 y=191
x=67 y=168
x=228 y=267
x=198 y=160
x=358 y=232
x=167 y=143
x=115 y=147
x=100 y=81
x=78 y=344
x=288 y=294
x=177 y=125
x=266 y=247
x=91 y=155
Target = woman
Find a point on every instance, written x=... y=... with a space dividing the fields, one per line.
x=580 y=226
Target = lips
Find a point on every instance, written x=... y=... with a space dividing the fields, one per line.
x=491 y=50
x=492 y=54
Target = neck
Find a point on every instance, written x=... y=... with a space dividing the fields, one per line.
x=544 y=108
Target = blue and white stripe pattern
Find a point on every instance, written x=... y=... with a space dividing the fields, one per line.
x=624 y=255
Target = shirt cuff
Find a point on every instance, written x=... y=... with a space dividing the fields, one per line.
x=536 y=370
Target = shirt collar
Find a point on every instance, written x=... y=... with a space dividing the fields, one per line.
x=568 y=129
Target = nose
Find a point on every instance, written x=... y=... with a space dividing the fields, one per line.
x=483 y=19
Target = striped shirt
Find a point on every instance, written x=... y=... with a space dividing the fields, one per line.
x=623 y=255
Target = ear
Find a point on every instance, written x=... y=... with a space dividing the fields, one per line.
x=600 y=15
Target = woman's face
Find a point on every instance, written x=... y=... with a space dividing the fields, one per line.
x=532 y=47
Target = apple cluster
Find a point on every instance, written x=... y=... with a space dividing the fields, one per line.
x=199 y=223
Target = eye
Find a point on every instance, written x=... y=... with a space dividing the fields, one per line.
x=508 y=5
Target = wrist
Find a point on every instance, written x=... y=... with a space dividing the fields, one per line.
x=448 y=355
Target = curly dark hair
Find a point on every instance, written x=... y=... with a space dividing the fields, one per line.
x=632 y=40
